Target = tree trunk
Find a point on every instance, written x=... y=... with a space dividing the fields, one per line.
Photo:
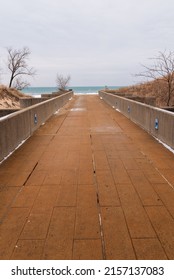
x=169 y=93
x=11 y=80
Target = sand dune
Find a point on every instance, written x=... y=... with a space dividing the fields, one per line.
x=9 y=98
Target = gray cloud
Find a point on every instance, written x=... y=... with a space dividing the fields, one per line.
x=96 y=42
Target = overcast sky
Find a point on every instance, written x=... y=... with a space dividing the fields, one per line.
x=97 y=42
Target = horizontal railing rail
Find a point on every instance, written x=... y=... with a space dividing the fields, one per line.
x=158 y=122
x=18 y=126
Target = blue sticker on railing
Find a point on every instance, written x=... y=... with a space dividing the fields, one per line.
x=156 y=123
x=35 y=118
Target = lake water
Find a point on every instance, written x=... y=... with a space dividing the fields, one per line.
x=37 y=91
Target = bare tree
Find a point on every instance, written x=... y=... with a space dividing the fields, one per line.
x=162 y=70
x=62 y=82
x=17 y=64
x=19 y=84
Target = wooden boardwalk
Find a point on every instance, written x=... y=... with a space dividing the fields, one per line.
x=89 y=184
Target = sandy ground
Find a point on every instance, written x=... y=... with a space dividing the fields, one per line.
x=10 y=98
x=7 y=103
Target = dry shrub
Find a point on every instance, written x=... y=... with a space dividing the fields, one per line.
x=156 y=88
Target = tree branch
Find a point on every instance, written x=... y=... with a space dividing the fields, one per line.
x=161 y=70
x=17 y=64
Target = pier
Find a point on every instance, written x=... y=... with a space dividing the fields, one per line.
x=89 y=184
